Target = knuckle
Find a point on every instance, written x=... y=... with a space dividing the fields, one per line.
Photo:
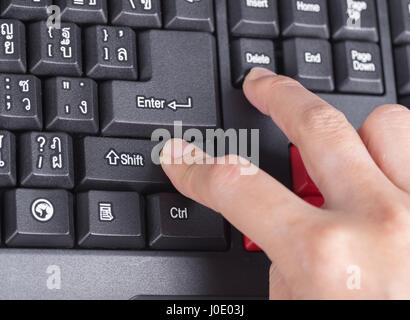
x=386 y=123
x=324 y=239
x=389 y=114
x=389 y=111
x=323 y=118
x=282 y=81
x=188 y=184
x=223 y=179
x=392 y=218
x=226 y=172
x=321 y=244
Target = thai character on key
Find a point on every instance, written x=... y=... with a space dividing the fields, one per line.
x=147 y=4
x=67 y=52
x=57 y=159
x=56 y=144
x=6 y=29
x=27 y=104
x=122 y=54
x=57 y=162
x=83 y=107
x=24 y=85
x=66 y=37
x=9 y=47
x=65 y=42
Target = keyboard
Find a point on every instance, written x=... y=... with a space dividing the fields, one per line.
x=85 y=212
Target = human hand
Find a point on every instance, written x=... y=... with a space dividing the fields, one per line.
x=363 y=176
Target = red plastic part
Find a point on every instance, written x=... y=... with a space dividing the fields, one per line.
x=303 y=186
x=250 y=245
x=315 y=201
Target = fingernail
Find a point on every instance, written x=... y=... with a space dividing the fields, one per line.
x=175 y=148
x=257 y=73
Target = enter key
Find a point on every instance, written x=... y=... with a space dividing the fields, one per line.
x=178 y=83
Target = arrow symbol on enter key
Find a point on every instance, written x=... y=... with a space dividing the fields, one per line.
x=174 y=105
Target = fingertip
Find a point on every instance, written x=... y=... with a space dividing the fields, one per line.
x=172 y=150
x=253 y=84
x=257 y=73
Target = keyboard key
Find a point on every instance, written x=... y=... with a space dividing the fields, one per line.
x=83 y=11
x=189 y=15
x=181 y=86
x=359 y=67
x=20 y=102
x=400 y=14
x=12 y=46
x=38 y=218
x=177 y=223
x=55 y=51
x=25 y=9
x=258 y=18
x=119 y=164
x=71 y=105
x=136 y=13
x=306 y=18
x=110 y=220
x=7 y=159
x=111 y=53
x=402 y=54
x=249 y=53
x=46 y=160
x=354 y=20
x=250 y=245
x=303 y=185
x=310 y=62
x=402 y=69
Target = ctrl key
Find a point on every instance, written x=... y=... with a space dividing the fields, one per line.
x=38 y=218
x=177 y=223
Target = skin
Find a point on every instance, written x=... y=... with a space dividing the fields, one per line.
x=358 y=245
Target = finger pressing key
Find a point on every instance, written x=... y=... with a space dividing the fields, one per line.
x=330 y=147
x=274 y=223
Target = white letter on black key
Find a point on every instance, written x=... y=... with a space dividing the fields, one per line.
x=178 y=223
x=110 y=220
x=121 y=164
x=310 y=62
x=38 y=218
x=136 y=14
x=7 y=159
x=55 y=51
x=46 y=160
x=111 y=53
x=71 y=105
x=12 y=46
x=20 y=102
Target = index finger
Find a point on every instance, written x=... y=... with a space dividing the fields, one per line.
x=257 y=205
x=331 y=148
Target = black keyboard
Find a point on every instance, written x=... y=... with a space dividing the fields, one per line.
x=85 y=213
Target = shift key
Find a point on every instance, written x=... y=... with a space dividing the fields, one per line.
x=119 y=164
